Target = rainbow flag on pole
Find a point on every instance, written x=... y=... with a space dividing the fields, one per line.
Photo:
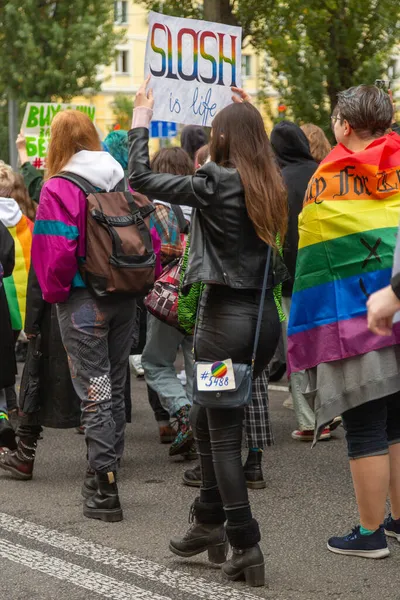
x=347 y=236
x=16 y=285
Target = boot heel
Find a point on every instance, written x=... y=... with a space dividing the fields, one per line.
x=218 y=554
x=255 y=576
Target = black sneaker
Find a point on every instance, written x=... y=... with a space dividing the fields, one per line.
x=355 y=544
x=392 y=527
x=192 y=477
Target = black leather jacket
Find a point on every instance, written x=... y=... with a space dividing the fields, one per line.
x=224 y=247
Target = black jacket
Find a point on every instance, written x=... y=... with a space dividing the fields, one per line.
x=8 y=367
x=57 y=401
x=224 y=247
x=298 y=166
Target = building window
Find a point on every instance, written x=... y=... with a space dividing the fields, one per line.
x=246 y=65
x=122 y=62
x=121 y=12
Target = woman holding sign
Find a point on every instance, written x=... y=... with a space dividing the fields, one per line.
x=241 y=208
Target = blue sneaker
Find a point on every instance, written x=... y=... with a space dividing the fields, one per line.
x=392 y=527
x=355 y=544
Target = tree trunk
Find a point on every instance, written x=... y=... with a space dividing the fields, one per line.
x=219 y=11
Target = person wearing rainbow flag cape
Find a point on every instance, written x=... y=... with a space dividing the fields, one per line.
x=15 y=286
x=347 y=236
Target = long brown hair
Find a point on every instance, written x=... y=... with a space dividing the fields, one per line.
x=239 y=140
x=71 y=132
x=319 y=143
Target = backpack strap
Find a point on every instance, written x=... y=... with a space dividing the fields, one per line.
x=83 y=184
x=183 y=224
x=87 y=188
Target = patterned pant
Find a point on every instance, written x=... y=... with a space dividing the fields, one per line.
x=97 y=336
x=257 y=424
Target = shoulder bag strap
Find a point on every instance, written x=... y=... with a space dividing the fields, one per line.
x=261 y=307
x=85 y=186
x=183 y=224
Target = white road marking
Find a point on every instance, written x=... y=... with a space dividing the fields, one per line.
x=74 y=574
x=177 y=580
x=278 y=388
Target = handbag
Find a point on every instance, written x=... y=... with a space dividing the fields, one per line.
x=188 y=300
x=229 y=385
x=162 y=300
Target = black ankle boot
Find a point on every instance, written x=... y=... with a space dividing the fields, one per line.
x=206 y=533
x=247 y=561
x=253 y=471
x=89 y=487
x=104 y=504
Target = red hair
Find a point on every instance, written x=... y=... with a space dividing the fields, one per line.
x=71 y=132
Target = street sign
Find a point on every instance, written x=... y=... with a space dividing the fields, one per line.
x=163 y=129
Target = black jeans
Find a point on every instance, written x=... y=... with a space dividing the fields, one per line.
x=218 y=435
x=372 y=427
x=29 y=426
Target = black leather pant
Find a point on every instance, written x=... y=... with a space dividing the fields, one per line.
x=218 y=435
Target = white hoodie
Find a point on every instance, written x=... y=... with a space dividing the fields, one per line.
x=10 y=212
x=99 y=168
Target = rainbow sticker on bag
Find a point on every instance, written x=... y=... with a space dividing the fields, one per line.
x=219 y=369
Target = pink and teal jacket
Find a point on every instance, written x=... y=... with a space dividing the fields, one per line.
x=59 y=235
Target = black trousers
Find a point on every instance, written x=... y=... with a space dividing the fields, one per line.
x=218 y=435
x=226 y=329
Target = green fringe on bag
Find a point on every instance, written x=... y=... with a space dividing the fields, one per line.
x=278 y=288
x=188 y=303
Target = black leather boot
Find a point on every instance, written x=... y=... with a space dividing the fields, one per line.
x=104 y=504
x=207 y=533
x=253 y=471
x=89 y=487
x=20 y=462
x=247 y=561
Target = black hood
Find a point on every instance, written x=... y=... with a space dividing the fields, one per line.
x=193 y=137
x=290 y=144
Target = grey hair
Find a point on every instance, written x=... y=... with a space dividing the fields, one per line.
x=367 y=108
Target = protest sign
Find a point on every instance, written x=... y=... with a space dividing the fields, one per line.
x=36 y=127
x=193 y=65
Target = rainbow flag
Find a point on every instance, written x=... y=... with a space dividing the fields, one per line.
x=347 y=236
x=16 y=285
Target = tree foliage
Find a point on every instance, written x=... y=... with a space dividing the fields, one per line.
x=52 y=48
x=320 y=48
x=315 y=48
x=122 y=109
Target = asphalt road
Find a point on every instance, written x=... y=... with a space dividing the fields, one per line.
x=49 y=551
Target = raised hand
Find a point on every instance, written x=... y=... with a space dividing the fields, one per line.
x=144 y=97
x=240 y=95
